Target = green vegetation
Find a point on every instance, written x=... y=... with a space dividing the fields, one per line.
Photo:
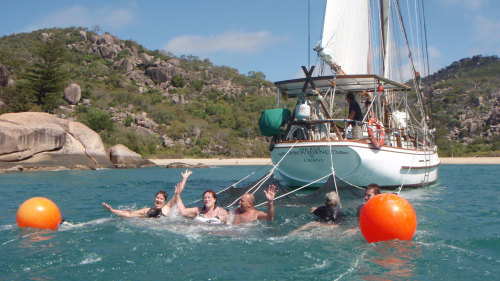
x=202 y=121
x=203 y=110
x=463 y=100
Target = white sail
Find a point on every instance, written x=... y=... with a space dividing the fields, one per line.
x=346 y=35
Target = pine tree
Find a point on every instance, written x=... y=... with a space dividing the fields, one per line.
x=45 y=78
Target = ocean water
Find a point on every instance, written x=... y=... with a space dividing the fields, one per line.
x=457 y=237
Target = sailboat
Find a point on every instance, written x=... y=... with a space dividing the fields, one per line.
x=392 y=145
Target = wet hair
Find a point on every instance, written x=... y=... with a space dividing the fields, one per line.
x=213 y=195
x=251 y=198
x=332 y=199
x=162 y=193
x=350 y=96
x=375 y=187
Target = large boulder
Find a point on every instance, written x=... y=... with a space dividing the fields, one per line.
x=73 y=93
x=146 y=59
x=128 y=64
x=123 y=157
x=108 y=52
x=108 y=39
x=35 y=140
x=161 y=74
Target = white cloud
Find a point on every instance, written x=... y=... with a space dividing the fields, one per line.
x=435 y=52
x=229 y=41
x=82 y=16
x=468 y=4
x=486 y=38
x=487 y=29
x=114 y=18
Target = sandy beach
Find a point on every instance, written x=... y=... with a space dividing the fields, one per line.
x=214 y=161
x=267 y=161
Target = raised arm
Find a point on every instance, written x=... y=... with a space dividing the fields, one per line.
x=183 y=211
x=124 y=213
x=185 y=176
x=270 y=194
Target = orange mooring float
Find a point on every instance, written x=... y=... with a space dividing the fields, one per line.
x=387 y=216
x=38 y=212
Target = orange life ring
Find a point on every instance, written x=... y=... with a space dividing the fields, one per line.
x=378 y=141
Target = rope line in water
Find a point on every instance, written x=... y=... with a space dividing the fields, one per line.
x=333 y=171
x=236 y=183
x=267 y=177
x=295 y=190
x=352 y=268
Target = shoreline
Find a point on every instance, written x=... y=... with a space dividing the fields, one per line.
x=267 y=161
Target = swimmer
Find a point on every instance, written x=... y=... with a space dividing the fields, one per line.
x=371 y=190
x=246 y=212
x=160 y=209
x=327 y=215
x=209 y=213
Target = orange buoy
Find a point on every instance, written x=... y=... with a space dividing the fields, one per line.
x=38 y=212
x=387 y=216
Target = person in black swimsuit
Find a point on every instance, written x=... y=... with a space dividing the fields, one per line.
x=327 y=215
x=160 y=208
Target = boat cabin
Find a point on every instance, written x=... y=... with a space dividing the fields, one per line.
x=384 y=103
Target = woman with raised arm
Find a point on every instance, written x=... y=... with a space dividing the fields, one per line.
x=160 y=209
x=209 y=213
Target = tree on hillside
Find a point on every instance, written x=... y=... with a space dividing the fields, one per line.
x=257 y=75
x=45 y=78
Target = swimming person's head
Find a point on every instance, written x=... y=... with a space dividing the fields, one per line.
x=247 y=201
x=209 y=199
x=332 y=199
x=371 y=190
x=160 y=199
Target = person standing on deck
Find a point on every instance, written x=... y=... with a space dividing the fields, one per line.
x=356 y=115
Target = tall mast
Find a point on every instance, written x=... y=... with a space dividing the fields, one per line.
x=385 y=24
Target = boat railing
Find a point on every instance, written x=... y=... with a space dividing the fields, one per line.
x=307 y=129
x=411 y=137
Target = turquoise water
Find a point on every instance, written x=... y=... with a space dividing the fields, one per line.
x=457 y=237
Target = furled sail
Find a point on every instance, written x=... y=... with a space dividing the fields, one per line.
x=345 y=40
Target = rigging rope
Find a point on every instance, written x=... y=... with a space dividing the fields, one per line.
x=257 y=187
x=234 y=184
x=407 y=173
x=333 y=171
x=295 y=190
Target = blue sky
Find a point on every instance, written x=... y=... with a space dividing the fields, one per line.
x=259 y=35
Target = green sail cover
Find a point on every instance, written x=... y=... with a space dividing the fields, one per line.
x=271 y=120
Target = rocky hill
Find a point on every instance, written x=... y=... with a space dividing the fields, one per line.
x=465 y=104
x=150 y=101
x=165 y=106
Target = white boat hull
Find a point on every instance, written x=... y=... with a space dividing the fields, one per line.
x=355 y=162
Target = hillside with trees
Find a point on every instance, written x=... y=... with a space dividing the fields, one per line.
x=164 y=106
x=465 y=107
x=150 y=101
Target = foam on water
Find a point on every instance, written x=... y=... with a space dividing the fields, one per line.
x=91 y=258
x=65 y=226
x=94 y=244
